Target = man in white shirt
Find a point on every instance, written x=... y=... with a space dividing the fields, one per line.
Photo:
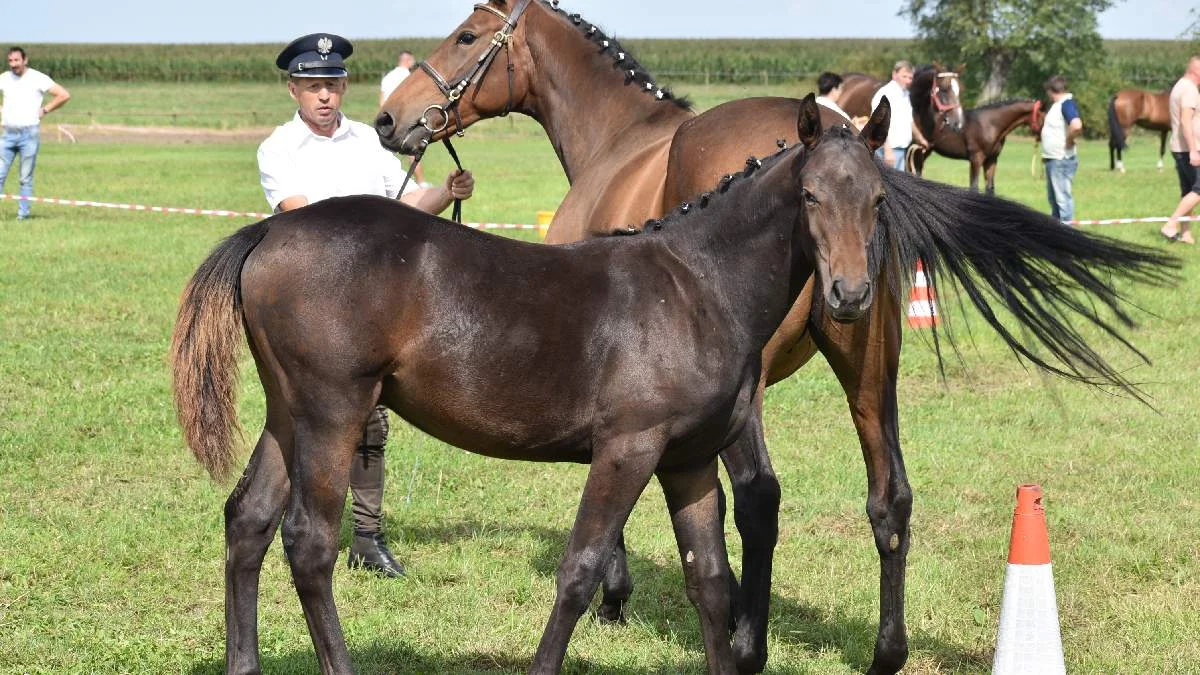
x=319 y=154
x=829 y=90
x=1184 y=107
x=1061 y=127
x=903 y=129
x=24 y=89
x=404 y=66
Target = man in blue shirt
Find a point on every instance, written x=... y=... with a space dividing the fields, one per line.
x=1059 y=132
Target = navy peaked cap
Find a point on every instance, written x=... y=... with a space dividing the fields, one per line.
x=316 y=55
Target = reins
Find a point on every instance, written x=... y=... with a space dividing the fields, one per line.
x=502 y=39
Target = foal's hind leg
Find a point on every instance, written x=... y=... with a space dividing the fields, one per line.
x=616 y=587
x=865 y=356
x=693 y=497
x=756 y=497
x=252 y=515
x=327 y=432
x=620 y=471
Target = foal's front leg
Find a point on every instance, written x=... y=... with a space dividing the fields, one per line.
x=620 y=470
x=693 y=498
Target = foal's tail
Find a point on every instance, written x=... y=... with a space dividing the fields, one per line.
x=1116 y=134
x=1005 y=256
x=204 y=352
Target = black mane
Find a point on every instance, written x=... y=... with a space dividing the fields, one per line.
x=634 y=72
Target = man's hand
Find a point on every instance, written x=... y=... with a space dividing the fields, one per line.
x=460 y=184
x=889 y=157
x=1194 y=157
x=923 y=143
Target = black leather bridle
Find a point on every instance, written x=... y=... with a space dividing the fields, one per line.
x=453 y=93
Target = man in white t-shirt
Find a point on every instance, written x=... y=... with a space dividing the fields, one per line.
x=1184 y=107
x=404 y=66
x=320 y=154
x=903 y=128
x=24 y=89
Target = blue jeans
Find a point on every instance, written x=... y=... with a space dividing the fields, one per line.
x=1059 y=174
x=899 y=152
x=22 y=141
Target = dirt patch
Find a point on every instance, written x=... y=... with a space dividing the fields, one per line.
x=111 y=133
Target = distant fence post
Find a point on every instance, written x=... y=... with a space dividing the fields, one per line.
x=766 y=78
x=706 y=78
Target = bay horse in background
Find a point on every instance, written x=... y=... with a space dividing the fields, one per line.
x=650 y=369
x=981 y=138
x=1147 y=110
x=935 y=93
x=629 y=147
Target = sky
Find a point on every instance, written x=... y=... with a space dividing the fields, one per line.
x=273 y=21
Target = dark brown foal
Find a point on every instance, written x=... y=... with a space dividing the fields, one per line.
x=652 y=369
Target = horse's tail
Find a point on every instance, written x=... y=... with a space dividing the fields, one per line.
x=204 y=352
x=1116 y=134
x=1005 y=256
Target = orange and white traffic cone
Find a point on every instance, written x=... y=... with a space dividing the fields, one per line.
x=922 y=302
x=1029 y=641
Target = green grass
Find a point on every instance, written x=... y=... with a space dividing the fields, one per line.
x=111 y=536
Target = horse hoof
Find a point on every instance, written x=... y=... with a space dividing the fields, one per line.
x=610 y=614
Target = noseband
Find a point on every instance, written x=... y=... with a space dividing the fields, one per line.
x=933 y=95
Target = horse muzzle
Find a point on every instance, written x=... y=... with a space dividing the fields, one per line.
x=848 y=301
x=397 y=139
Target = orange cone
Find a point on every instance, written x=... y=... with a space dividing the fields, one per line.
x=922 y=302
x=1029 y=640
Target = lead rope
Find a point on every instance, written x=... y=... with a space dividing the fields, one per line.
x=456 y=213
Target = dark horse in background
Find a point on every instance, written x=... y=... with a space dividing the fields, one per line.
x=1147 y=110
x=981 y=138
x=935 y=93
x=631 y=150
x=649 y=369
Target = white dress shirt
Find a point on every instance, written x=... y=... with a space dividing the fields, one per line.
x=294 y=161
x=392 y=80
x=828 y=103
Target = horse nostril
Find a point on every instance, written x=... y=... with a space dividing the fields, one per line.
x=836 y=290
x=384 y=124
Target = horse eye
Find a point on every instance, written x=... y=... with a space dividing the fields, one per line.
x=466 y=39
x=809 y=198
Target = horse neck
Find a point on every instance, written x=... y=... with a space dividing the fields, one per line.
x=582 y=101
x=1016 y=114
x=746 y=244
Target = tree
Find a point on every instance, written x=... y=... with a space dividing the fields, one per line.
x=1020 y=40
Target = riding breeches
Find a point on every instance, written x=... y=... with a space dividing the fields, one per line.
x=366 y=475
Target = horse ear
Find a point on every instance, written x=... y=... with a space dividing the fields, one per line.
x=962 y=68
x=876 y=131
x=937 y=65
x=809 y=123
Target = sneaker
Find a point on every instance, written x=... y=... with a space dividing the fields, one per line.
x=370 y=552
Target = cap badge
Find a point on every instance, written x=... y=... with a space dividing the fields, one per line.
x=324 y=46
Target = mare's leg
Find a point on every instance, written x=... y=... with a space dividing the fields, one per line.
x=1162 y=148
x=252 y=515
x=1121 y=162
x=989 y=174
x=693 y=497
x=620 y=470
x=976 y=162
x=756 y=497
x=617 y=585
x=865 y=356
x=327 y=431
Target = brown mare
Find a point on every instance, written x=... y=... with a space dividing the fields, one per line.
x=935 y=94
x=631 y=151
x=650 y=370
x=1143 y=108
x=981 y=138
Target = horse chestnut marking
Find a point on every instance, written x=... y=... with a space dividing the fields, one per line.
x=894 y=543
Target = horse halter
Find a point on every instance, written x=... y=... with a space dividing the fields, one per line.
x=501 y=40
x=933 y=93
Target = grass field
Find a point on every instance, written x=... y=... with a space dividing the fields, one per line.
x=111 y=536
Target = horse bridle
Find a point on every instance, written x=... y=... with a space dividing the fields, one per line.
x=453 y=93
x=933 y=94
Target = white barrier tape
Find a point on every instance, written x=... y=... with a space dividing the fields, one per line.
x=215 y=212
x=1126 y=221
